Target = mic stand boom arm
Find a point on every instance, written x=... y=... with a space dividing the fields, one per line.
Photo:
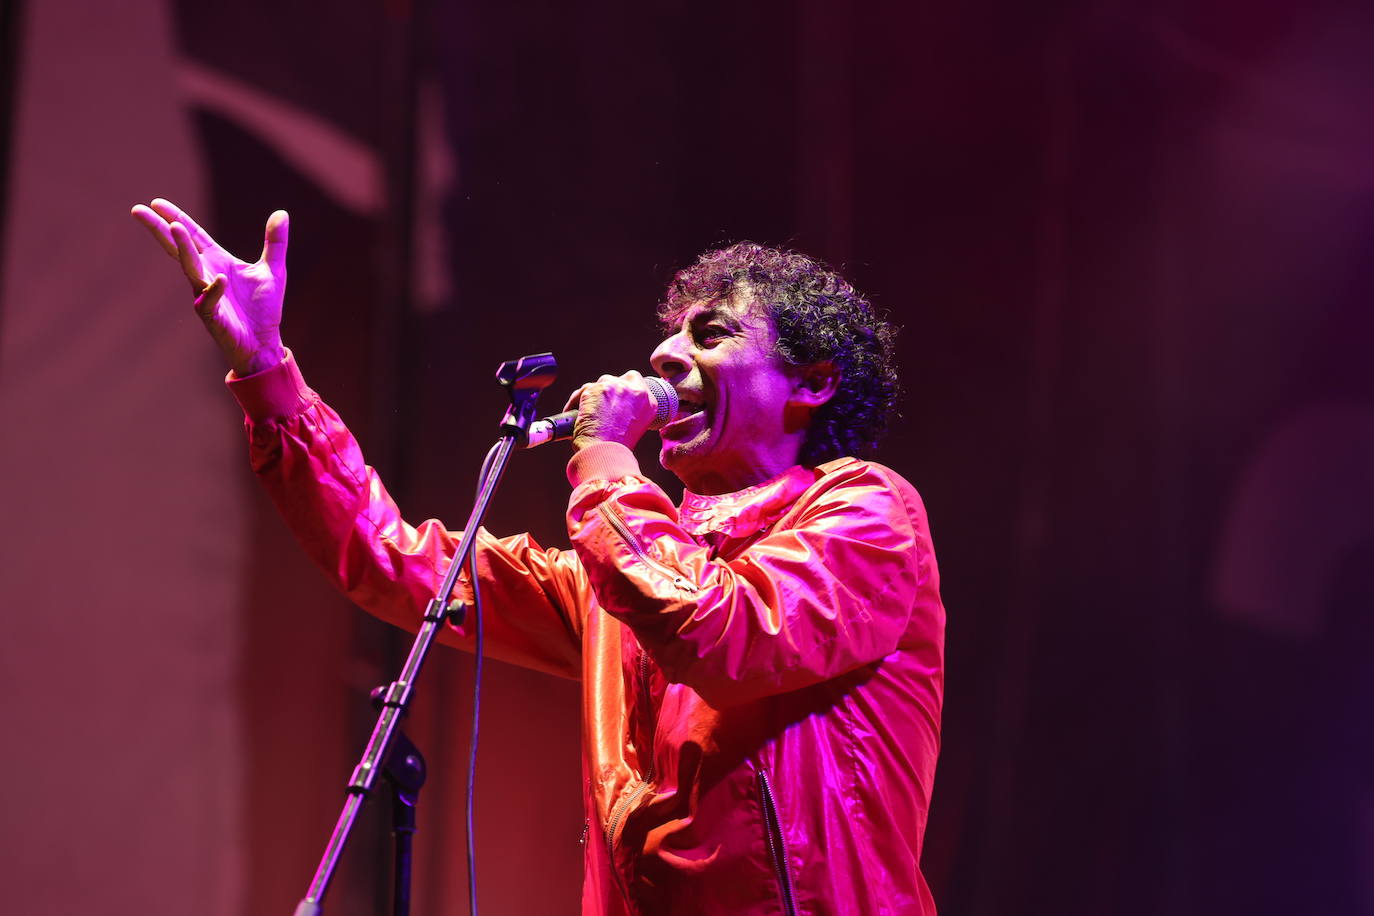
x=523 y=378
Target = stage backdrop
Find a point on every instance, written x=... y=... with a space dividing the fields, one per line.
x=1128 y=246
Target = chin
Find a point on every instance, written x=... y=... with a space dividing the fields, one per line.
x=669 y=458
x=677 y=457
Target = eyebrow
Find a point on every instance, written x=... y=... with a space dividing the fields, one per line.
x=713 y=313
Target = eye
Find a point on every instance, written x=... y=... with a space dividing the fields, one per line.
x=712 y=333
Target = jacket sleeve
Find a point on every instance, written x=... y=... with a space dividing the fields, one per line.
x=842 y=584
x=337 y=507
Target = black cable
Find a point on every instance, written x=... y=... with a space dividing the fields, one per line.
x=476 y=723
x=482 y=484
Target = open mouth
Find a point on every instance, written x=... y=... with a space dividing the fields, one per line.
x=687 y=409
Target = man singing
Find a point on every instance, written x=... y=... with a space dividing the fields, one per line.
x=761 y=665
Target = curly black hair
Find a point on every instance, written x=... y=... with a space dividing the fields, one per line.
x=818 y=317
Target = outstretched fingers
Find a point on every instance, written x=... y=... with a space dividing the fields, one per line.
x=189 y=257
x=156 y=226
x=174 y=214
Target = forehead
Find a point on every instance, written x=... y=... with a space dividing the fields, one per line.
x=743 y=309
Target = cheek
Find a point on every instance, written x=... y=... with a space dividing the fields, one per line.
x=757 y=404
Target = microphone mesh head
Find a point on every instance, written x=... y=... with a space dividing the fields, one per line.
x=665 y=398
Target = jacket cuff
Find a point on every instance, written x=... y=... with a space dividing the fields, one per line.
x=273 y=394
x=602 y=461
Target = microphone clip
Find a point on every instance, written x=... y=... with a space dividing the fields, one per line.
x=524 y=379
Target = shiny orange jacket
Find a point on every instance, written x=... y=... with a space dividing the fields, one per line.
x=762 y=672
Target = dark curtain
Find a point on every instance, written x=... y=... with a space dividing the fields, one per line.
x=1127 y=245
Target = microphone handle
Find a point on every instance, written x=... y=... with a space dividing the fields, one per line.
x=560 y=425
x=552 y=429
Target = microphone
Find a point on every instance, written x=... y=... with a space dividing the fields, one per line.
x=560 y=425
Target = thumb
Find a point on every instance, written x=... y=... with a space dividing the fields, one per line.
x=574 y=399
x=274 y=240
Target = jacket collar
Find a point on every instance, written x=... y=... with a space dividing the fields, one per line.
x=744 y=512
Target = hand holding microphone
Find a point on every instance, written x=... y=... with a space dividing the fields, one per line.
x=611 y=409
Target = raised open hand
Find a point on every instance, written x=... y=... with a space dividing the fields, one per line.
x=240 y=303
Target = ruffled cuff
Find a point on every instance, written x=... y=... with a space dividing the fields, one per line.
x=272 y=395
x=602 y=461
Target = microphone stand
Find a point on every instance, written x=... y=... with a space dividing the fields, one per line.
x=405 y=773
x=523 y=379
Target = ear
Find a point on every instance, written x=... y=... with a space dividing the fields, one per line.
x=816 y=384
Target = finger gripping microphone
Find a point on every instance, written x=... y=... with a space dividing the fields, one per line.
x=560 y=426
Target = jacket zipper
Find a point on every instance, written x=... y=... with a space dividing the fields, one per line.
x=776 y=849
x=644 y=676
x=614 y=823
x=619 y=812
x=615 y=521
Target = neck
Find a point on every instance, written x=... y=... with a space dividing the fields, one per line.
x=717 y=480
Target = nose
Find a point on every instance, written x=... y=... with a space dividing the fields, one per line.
x=670 y=358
